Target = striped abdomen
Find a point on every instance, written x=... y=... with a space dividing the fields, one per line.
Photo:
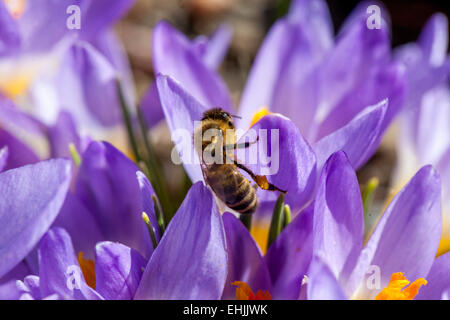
x=231 y=187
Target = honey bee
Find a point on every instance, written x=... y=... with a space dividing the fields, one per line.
x=223 y=176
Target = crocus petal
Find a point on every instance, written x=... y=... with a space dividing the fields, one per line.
x=19 y=154
x=245 y=262
x=190 y=262
x=357 y=54
x=213 y=50
x=314 y=16
x=100 y=14
x=110 y=46
x=15 y=119
x=438 y=279
x=9 y=31
x=359 y=138
x=98 y=75
x=62 y=134
x=20 y=271
x=289 y=256
x=433 y=39
x=173 y=56
x=59 y=270
x=118 y=270
x=151 y=106
x=338 y=217
x=387 y=82
x=407 y=236
x=43 y=23
x=292 y=165
x=210 y=50
x=49 y=20
x=33 y=195
x=285 y=58
x=28 y=289
x=181 y=111
x=148 y=205
x=107 y=186
x=81 y=224
x=428 y=126
x=3 y=157
x=321 y=283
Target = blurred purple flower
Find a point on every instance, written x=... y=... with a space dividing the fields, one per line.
x=190 y=262
x=118 y=270
x=52 y=68
x=425 y=124
x=171 y=50
x=30 y=199
x=342 y=95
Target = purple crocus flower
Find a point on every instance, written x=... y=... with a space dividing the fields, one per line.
x=190 y=261
x=425 y=124
x=30 y=199
x=118 y=270
x=202 y=54
x=405 y=239
x=299 y=73
x=196 y=233
x=30 y=140
x=42 y=58
x=353 y=119
x=106 y=202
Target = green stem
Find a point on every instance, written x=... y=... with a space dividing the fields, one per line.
x=159 y=214
x=128 y=124
x=246 y=219
x=155 y=170
x=287 y=216
x=150 y=229
x=277 y=220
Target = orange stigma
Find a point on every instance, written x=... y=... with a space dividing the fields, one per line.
x=88 y=269
x=394 y=291
x=244 y=292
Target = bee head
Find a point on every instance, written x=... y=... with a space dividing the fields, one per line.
x=220 y=115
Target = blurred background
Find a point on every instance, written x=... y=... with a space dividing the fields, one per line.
x=250 y=21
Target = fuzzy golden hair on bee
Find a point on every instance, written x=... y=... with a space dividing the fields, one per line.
x=224 y=177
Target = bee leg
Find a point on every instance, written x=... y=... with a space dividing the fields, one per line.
x=261 y=181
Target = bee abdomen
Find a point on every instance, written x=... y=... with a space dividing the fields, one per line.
x=232 y=188
x=246 y=204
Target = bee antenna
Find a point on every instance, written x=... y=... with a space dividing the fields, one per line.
x=235 y=116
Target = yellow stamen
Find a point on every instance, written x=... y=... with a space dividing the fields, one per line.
x=244 y=292
x=259 y=114
x=88 y=269
x=15 y=7
x=260 y=232
x=394 y=289
x=444 y=246
x=15 y=86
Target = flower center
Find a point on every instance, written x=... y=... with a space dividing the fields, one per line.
x=88 y=269
x=260 y=233
x=15 y=85
x=398 y=288
x=244 y=292
x=15 y=7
